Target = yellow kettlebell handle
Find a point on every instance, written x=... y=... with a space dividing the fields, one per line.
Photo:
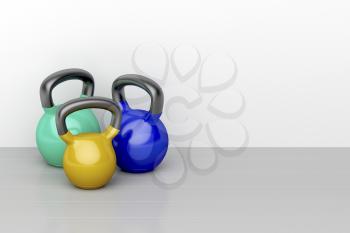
x=90 y=102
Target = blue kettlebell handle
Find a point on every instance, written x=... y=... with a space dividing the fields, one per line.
x=84 y=103
x=147 y=84
x=61 y=76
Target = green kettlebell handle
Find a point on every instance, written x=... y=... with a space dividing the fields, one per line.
x=61 y=76
x=89 y=102
x=147 y=84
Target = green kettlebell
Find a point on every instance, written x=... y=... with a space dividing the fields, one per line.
x=49 y=143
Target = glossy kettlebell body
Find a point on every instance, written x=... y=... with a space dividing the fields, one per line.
x=89 y=159
x=142 y=142
x=49 y=144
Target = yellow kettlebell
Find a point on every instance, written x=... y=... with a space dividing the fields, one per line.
x=89 y=160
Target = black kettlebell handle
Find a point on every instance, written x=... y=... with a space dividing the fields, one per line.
x=61 y=76
x=150 y=86
x=89 y=102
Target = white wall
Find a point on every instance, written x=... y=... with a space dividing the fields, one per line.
x=292 y=58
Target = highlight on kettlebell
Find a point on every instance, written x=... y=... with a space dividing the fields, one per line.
x=49 y=144
x=142 y=142
x=89 y=159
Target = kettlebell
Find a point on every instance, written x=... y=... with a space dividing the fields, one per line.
x=50 y=146
x=89 y=159
x=142 y=142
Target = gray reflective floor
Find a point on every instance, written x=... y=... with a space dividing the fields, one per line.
x=259 y=190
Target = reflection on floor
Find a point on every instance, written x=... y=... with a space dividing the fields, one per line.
x=194 y=190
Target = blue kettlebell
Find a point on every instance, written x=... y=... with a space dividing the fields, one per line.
x=142 y=142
